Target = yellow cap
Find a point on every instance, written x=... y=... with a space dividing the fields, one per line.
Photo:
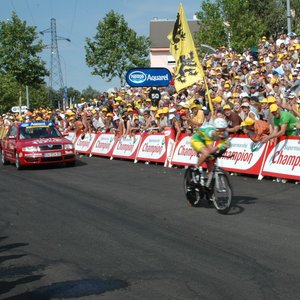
x=271 y=99
x=248 y=122
x=218 y=99
x=273 y=107
x=193 y=105
x=165 y=110
x=226 y=107
x=265 y=100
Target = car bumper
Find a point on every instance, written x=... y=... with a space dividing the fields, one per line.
x=46 y=158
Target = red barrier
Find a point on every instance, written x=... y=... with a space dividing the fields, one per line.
x=152 y=148
x=103 y=145
x=184 y=154
x=247 y=156
x=83 y=143
x=126 y=147
x=282 y=160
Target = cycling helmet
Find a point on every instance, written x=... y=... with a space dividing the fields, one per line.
x=220 y=123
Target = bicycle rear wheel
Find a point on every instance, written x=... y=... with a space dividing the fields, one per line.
x=191 y=194
x=222 y=193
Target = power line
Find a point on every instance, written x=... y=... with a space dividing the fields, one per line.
x=56 y=78
x=31 y=15
x=73 y=18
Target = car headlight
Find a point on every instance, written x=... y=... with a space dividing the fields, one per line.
x=30 y=149
x=69 y=146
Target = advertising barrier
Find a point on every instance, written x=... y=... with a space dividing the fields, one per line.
x=244 y=156
x=84 y=143
x=71 y=136
x=283 y=160
x=126 y=147
x=104 y=144
x=152 y=148
x=184 y=155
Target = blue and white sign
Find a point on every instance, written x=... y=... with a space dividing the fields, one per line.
x=140 y=77
x=24 y=125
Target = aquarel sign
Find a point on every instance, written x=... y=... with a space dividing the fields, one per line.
x=148 y=77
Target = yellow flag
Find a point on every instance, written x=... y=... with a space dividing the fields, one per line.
x=188 y=68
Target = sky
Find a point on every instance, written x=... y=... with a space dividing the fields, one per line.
x=78 y=19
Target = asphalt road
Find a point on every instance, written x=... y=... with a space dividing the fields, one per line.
x=118 y=230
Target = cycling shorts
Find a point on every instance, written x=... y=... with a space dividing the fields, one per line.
x=198 y=145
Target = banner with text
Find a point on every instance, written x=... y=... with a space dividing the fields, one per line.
x=283 y=160
x=84 y=143
x=126 y=147
x=152 y=148
x=104 y=144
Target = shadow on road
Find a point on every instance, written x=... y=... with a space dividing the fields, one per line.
x=27 y=274
x=78 y=164
x=238 y=204
x=72 y=289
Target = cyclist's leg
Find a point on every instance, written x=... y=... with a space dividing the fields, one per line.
x=210 y=162
x=199 y=148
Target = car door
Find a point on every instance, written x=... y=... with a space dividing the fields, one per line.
x=10 y=142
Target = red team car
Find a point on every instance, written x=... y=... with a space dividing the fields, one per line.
x=36 y=143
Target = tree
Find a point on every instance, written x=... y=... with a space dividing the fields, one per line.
x=212 y=30
x=243 y=21
x=116 y=48
x=9 y=89
x=19 y=48
x=89 y=93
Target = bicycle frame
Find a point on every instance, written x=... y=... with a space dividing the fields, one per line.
x=217 y=188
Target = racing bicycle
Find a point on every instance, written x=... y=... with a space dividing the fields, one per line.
x=203 y=190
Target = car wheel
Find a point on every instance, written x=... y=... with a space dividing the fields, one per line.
x=19 y=166
x=3 y=159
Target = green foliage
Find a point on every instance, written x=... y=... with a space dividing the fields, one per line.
x=9 y=90
x=212 y=31
x=20 y=64
x=248 y=21
x=89 y=93
x=115 y=48
x=18 y=52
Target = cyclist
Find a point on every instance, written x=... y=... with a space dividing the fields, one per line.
x=202 y=141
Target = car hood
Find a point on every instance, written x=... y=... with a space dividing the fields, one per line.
x=44 y=141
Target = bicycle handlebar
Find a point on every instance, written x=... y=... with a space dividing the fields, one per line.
x=220 y=153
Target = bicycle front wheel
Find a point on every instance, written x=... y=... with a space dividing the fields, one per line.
x=222 y=193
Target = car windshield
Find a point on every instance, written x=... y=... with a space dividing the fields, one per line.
x=38 y=132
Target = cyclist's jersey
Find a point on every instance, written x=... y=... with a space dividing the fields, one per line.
x=205 y=134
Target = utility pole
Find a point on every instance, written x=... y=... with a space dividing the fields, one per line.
x=289 y=17
x=56 y=78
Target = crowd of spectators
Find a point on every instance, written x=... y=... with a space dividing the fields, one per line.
x=257 y=92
